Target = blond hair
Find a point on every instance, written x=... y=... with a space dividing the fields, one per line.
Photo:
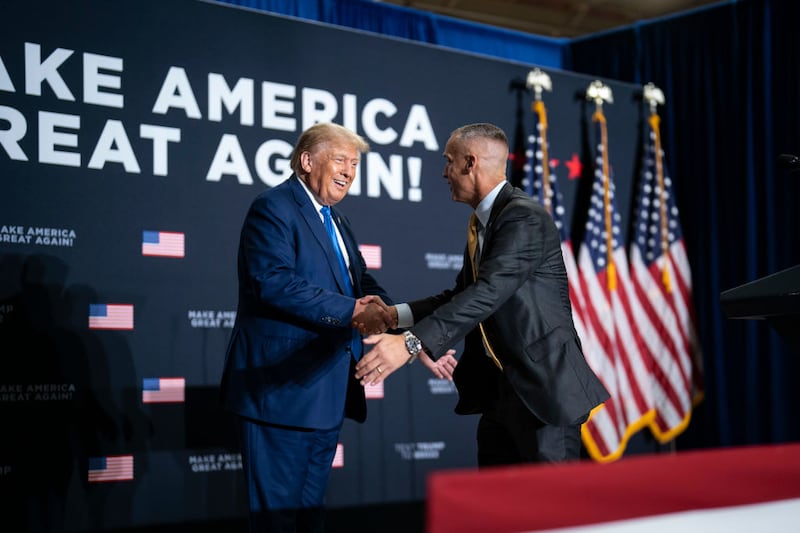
x=323 y=133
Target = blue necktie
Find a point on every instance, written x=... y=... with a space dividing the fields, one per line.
x=326 y=216
x=355 y=341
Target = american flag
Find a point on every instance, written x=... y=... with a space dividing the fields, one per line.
x=163 y=390
x=614 y=348
x=374 y=392
x=541 y=183
x=163 y=243
x=372 y=255
x=111 y=468
x=110 y=316
x=662 y=279
x=338 y=457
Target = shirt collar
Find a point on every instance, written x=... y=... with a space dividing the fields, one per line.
x=484 y=208
x=317 y=205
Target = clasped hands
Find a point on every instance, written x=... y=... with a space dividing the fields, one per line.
x=373 y=317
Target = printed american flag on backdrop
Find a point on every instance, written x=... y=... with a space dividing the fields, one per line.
x=541 y=182
x=612 y=313
x=110 y=316
x=338 y=457
x=163 y=390
x=372 y=255
x=662 y=279
x=163 y=243
x=374 y=392
x=111 y=468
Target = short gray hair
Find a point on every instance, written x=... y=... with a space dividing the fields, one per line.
x=481 y=130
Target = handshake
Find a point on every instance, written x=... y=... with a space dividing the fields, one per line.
x=371 y=316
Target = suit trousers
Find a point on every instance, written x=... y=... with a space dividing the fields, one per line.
x=287 y=471
x=508 y=433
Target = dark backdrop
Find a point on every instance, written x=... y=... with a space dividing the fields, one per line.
x=85 y=88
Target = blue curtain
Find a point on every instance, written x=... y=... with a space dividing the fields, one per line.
x=411 y=24
x=731 y=77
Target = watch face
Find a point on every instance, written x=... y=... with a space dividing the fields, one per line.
x=413 y=345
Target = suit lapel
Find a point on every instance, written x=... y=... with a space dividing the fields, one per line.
x=312 y=218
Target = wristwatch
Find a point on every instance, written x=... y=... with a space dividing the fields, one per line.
x=413 y=345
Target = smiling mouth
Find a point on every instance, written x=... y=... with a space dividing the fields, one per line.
x=341 y=183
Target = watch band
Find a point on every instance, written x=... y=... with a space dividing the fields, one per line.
x=413 y=345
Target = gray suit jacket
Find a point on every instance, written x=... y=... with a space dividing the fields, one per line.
x=522 y=298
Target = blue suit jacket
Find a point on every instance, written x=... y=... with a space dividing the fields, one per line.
x=289 y=359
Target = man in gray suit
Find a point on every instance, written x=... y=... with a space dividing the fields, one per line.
x=522 y=368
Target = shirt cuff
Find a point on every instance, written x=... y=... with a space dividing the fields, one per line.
x=405 y=319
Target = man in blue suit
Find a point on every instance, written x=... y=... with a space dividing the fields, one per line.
x=289 y=369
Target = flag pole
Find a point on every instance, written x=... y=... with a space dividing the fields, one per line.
x=599 y=93
x=654 y=96
x=538 y=80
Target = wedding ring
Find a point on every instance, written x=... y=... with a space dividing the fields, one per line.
x=379 y=370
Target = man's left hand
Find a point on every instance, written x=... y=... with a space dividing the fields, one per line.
x=443 y=367
x=388 y=353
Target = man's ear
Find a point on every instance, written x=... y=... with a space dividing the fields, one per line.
x=305 y=161
x=470 y=161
